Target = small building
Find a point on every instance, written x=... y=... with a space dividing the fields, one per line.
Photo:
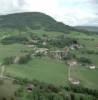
x=75 y=46
x=74 y=81
x=44 y=43
x=72 y=47
x=34 y=41
x=30 y=46
x=72 y=62
x=92 y=67
x=59 y=54
x=42 y=50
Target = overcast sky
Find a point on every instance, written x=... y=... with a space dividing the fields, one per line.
x=71 y=12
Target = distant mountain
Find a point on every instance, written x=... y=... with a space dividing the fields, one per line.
x=88 y=28
x=32 y=20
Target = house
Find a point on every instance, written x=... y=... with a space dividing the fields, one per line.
x=72 y=47
x=44 y=43
x=75 y=46
x=74 y=81
x=30 y=46
x=34 y=41
x=72 y=62
x=59 y=54
x=42 y=50
x=92 y=67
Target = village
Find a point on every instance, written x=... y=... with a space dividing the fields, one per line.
x=63 y=54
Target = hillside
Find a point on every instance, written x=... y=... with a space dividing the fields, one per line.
x=42 y=59
x=88 y=28
x=32 y=20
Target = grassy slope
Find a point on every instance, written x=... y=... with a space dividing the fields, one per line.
x=12 y=50
x=43 y=69
x=41 y=32
x=7 y=89
x=87 y=76
x=53 y=71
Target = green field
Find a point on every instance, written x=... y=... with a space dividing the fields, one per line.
x=43 y=69
x=50 y=70
x=7 y=90
x=36 y=48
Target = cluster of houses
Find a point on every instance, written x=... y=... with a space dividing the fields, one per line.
x=59 y=54
x=56 y=54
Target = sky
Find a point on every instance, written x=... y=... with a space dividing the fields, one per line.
x=70 y=12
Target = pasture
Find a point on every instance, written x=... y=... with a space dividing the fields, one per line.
x=51 y=70
x=7 y=90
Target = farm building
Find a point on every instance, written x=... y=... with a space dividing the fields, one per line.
x=75 y=46
x=30 y=46
x=42 y=50
x=34 y=41
x=92 y=67
x=72 y=62
x=59 y=54
x=44 y=43
x=74 y=81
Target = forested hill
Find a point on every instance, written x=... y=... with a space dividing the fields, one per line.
x=32 y=20
x=88 y=28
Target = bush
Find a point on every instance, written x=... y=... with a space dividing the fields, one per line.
x=8 y=60
x=62 y=41
x=1 y=82
x=14 y=39
x=24 y=59
x=84 y=60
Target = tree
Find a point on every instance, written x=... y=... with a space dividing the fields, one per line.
x=8 y=60
x=4 y=98
x=24 y=59
x=72 y=96
x=12 y=98
x=67 y=98
x=84 y=60
x=81 y=98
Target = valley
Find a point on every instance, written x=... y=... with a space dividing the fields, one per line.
x=46 y=56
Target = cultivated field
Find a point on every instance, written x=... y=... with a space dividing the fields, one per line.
x=52 y=70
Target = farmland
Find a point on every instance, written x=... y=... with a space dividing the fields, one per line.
x=50 y=53
x=50 y=70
